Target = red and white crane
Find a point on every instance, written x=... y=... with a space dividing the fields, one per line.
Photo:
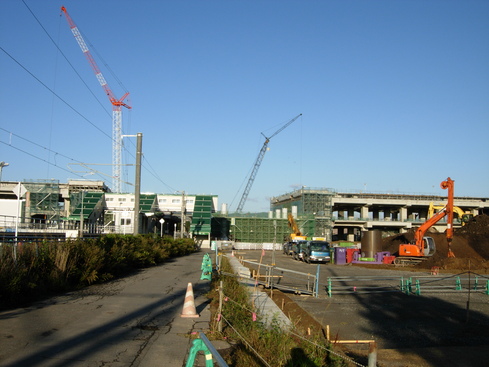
x=117 y=105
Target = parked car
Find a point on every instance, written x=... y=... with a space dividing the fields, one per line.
x=316 y=251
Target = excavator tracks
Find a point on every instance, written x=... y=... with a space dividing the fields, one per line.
x=408 y=261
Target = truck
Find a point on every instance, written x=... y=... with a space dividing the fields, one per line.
x=298 y=249
x=423 y=246
x=316 y=251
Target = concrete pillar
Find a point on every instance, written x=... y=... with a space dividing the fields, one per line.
x=364 y=211
x=277 y=213
x=284 y=213
x=403 y=214
x=294 y=211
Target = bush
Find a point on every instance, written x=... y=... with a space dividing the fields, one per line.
x=41 y=269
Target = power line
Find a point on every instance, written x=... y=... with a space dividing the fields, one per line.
x=54 y=93
x=155 y=175
x=42 y=147
x=43 y=160
x=151 y=170
x=67 y=60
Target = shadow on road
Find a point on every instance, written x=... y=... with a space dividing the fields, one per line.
x=119 y=330
x=408 y=323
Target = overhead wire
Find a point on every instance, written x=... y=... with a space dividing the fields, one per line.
x=151 y=171
x=68 y=61
x=38 y=158
x=155 y=175
x=54 y=93
x=42 y=147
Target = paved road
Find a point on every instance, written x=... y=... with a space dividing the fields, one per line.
x=134 y=321
x=430 y=325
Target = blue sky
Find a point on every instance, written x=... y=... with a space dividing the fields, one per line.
x=394 y=94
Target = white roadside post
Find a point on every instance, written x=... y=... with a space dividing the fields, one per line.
x=162 y=221
x=20 y=191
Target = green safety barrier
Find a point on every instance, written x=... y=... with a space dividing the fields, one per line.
x=409 y=283
x=204 y=345
x=206 y=268
x=458 y=285
x=199 y=346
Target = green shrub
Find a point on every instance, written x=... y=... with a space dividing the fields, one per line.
x=42 y=269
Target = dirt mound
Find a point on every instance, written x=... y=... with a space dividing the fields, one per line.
x=476 y=231
x=470 y=244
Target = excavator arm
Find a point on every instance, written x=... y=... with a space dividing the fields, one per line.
x=424 y=246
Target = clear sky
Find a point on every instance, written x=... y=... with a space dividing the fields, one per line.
x=394 y=94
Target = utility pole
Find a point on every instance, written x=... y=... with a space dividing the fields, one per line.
x=2 y=164
x=80 y=235
x=137 y=184
x=183 y=219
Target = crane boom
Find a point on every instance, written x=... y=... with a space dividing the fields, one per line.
x=116 y=104
x=257 y=164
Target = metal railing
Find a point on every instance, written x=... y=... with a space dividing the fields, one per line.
x=417 y=285
x=271 y=276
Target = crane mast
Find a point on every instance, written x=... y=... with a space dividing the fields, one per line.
x=117 y=105
x=257 y=164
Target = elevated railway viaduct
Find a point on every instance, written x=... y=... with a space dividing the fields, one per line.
x=352 y=213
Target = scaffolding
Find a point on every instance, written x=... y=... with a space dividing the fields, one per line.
x=259 y=230
x=43 y=200
x=309 y=204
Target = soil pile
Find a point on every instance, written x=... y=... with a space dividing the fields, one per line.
x=470 y=244
x=476 y=231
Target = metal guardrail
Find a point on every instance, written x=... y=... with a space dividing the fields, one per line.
x=272 y=276
x=471 y=282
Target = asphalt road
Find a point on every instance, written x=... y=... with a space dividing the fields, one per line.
x=434 y=325
x=134 y=321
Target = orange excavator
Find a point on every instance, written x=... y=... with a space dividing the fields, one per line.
x=423 y=246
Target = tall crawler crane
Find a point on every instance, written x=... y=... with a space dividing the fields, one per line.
x=117 y=105
x=257 y=164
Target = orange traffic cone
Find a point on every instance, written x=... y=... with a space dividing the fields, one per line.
x=189 y=304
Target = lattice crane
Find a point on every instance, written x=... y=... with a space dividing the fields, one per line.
x=117 y=105
x=257 y=164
